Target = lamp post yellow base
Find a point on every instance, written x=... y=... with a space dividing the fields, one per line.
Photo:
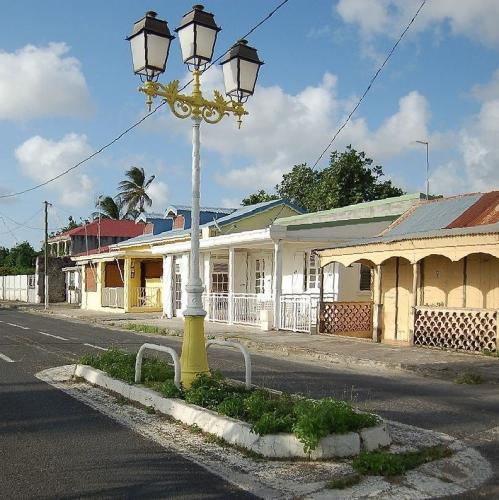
x=193 y=359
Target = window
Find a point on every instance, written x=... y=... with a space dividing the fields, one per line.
x=71 y=280
x=90 y=278
x=365 y=278
x=260 y=276
x=178 y=288
x=220 y=278
x=312 y=272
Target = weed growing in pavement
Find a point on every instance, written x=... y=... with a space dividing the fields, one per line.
x=155 y=330
x=469 y=378
x=343 y=482
x=150 y=410
x=384 y=463
x=488 y=352
x=268 y=412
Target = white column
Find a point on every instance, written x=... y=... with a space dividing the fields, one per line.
x=232 y=277
x=377 y=304
x=277 y=283
x=207 y=281
x=194 y=285
x=168 y=286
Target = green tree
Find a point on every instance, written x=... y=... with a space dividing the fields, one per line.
x=113 y=208
x=259 y=197
x=349 y=178
x=133 y=190
x=20 y=259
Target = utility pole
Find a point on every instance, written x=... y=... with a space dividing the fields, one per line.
x=425 y=143
x=46 y=275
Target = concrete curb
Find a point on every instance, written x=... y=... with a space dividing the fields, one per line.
x=236 y=432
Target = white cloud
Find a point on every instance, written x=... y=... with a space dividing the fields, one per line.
x=158 y=191
x=41 y=159
x=42 y=81
x=285 y=129
x=476 y=19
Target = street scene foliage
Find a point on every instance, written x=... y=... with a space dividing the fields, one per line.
x=349 y=178
x=19 y=259
x=268 y=413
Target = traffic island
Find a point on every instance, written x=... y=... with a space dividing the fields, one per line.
x=272 y=425
x=426 y=464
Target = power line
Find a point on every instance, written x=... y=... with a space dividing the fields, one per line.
x=136 y=124
x=23 y=224
x=373 y=79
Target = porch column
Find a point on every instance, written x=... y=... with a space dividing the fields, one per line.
x=377 y=304
x=414 y=301
x=230 y=305
x=207 y=282
x=277 y=283
x=167 y=286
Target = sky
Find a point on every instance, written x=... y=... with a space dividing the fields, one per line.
x=67 y=88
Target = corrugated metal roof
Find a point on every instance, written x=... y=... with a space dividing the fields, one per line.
x=484 y=211
x=433 y=215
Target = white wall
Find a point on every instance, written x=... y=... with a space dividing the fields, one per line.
x=16 y=288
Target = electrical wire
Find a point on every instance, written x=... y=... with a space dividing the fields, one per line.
x=371 y=82
x=24 y=224
x=133 y=126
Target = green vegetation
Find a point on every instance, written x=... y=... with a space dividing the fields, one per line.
x=384 y=463
x=349 y=178
x=151 y=329
x=20 y=259
x=488 y=352
x=343 y=482
x=268 y=413
x=469 y=378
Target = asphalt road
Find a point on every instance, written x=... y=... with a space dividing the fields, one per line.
x=58 y=447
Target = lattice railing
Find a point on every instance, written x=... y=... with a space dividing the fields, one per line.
x=449 y=328
x=346 y=318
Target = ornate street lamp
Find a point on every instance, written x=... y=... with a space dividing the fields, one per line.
x=150 y=43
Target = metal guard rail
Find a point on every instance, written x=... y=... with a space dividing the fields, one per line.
x=156 y=347
x=242 y=348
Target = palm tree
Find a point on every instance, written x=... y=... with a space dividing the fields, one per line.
x=133 y=191
x=112 y=208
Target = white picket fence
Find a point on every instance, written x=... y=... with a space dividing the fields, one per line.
x=20 y=288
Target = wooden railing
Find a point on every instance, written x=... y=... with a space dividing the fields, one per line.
x=352 y=319
x=147 y=297
x=456 y=328
x=113 y=297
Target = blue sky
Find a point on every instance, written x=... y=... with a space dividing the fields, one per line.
x=66 y=88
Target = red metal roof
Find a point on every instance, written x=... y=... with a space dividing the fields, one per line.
x=108 y=227
x=483 y=211
x=94 y=251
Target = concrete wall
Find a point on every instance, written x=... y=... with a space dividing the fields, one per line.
x=57 y=282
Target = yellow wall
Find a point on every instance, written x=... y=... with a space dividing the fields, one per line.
x=257 y=221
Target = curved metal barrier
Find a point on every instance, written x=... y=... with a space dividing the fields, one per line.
x=156 y=347
x=242 y=348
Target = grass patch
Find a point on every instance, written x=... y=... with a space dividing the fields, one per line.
x=268 y=412
x=383 y=463
x=488 y=352
x=343 y=482
x=155 y=330
x=469 y=378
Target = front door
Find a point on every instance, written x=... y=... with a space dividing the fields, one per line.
x=261 y=273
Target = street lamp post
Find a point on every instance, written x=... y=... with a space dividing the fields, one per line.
x=425 y=143
x=150 y=43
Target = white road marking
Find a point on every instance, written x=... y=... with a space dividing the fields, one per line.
x=19 y=326
x=54 y=336
x=6 y=358
x=97 y=347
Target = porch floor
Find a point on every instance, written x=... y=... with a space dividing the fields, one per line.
x=332 y=349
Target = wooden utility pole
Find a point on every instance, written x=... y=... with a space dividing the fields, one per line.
x=46 y=275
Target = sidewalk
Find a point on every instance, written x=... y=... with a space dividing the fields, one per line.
x=338 y=350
